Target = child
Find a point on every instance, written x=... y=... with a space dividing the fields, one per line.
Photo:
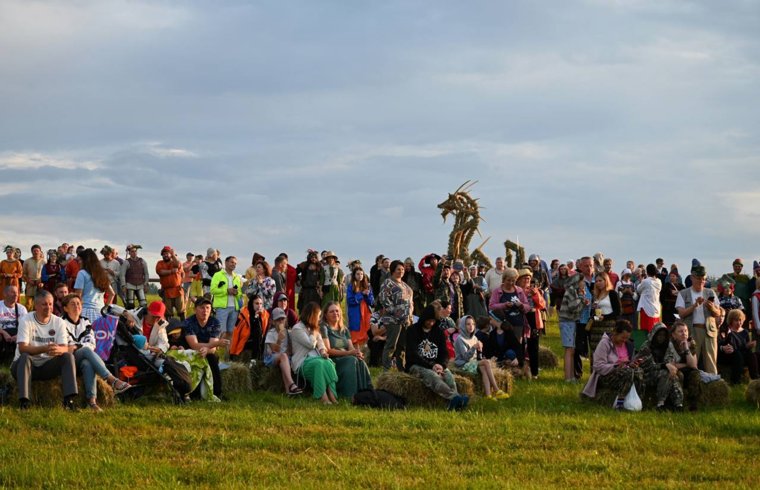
x=469 y=358
x=276 y=350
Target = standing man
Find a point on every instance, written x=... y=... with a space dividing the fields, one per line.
x=187 y=275
x=493 y=276
x=32 y=274
x=42 y=352
x=170 y=272
x=699 y=308
x=133 y=277
x=227 y=294
x=397 y=301
x=112 y=268
x=203 y=334
x=614 y=278
x=428 y=265
x=742 y=289
x=10 y=314
x=574 y=313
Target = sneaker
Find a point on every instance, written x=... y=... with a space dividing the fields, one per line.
x=490 y=398
x=501 y=395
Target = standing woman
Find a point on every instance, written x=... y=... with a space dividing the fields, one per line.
x=474 y=290
x=510 y=304
x=310 y=357
x=649 y=299
x=11 y=270
x=353 y=373
x=82 y=345
x=359 y=299
x=668 y=297
x=606 y=306
x=308 y=278
x=262 y=284
x=91 y=284
x=534 y=317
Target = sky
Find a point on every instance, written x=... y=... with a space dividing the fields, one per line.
x=624 y=127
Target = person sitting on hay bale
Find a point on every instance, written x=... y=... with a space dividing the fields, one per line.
x=469 y=359
x=426 y=358
x=42 y=352
x=203 y=334
x=310 y=358
x=736 y=348
x=661 y=360
x=614 y=365
x=353 y=373
x=276 y=350
x=82 y=345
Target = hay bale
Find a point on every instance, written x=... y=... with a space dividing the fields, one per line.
x=715 y=394
x=504 y=380
x=752 y=393
x=416 y=394
x=546 y=358
x=266 y=379
x=236 y=378
x=48 y=393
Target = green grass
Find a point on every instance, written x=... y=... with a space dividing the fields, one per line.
x=544 y=436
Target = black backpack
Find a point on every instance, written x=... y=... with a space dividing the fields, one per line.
x=378 y=399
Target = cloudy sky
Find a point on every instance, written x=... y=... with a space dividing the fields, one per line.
x=627 y=127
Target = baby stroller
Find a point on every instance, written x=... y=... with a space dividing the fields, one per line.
x=143 y=369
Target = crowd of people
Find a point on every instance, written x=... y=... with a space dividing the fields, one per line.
x=432 y=321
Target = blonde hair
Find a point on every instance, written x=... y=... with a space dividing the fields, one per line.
x=734 y=315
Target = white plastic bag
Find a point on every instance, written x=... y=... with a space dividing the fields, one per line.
x=632 y=402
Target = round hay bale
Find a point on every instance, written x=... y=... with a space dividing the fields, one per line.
x=715 y=394
x=236 y=378
x=504 y=380
x=416 y=394
x=547 y=359
x=266 y=379
x=752 y=393
x=48 y=393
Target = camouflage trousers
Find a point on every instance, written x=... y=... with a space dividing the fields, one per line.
x=668 y=389
x=620 y=380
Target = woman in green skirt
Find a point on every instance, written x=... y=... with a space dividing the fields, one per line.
x=353 y=373
x=310 y=358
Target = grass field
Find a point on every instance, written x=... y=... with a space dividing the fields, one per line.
x=544 y=436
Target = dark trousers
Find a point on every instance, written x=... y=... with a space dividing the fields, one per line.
x=213 y=363
x=581 y=348
x=738 y=360
x=532 y=345
x=24 y=372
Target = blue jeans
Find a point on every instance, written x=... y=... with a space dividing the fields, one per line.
x=227 y=317
x=90 y=364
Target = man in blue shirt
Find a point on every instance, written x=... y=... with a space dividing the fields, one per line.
x=203 y=334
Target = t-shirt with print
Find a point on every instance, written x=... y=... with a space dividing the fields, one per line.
x=8 y=318
x=514 y=314
x=36 y=334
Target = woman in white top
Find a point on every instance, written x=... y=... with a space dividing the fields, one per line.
x=649 y=299
x=82 y=345
x=606 y=309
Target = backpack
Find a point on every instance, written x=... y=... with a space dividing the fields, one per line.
x=627 y=304
x=378 y=399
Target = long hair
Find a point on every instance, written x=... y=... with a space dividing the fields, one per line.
x=91 y=264
x=310 y=316
x=267 y=268
x=341 y=325
x=359 y=285
x=607 y=285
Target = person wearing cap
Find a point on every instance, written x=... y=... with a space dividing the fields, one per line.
x=698 y=306
x=276 y=350
x=227 y=293
x=32 y=274
x=741 y=283
x=203 y=334
x=281 y=300
x=428 y=265
x=331 y=279
x=169 y=270
x=81 y=339
x=133 y=278
x=10 y=270
x=112 y=268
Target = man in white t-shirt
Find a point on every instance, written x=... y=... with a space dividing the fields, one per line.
x=493 y=276
x=698 y=306
x=42 y=352
x=10 y=313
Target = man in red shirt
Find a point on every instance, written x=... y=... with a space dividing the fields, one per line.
x=170 y=272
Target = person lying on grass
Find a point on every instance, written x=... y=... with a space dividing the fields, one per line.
x=276 y=350
x=469 y=358
x=82 y=345
x=426 y=358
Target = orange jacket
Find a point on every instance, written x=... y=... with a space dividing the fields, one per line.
x=243 y=330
